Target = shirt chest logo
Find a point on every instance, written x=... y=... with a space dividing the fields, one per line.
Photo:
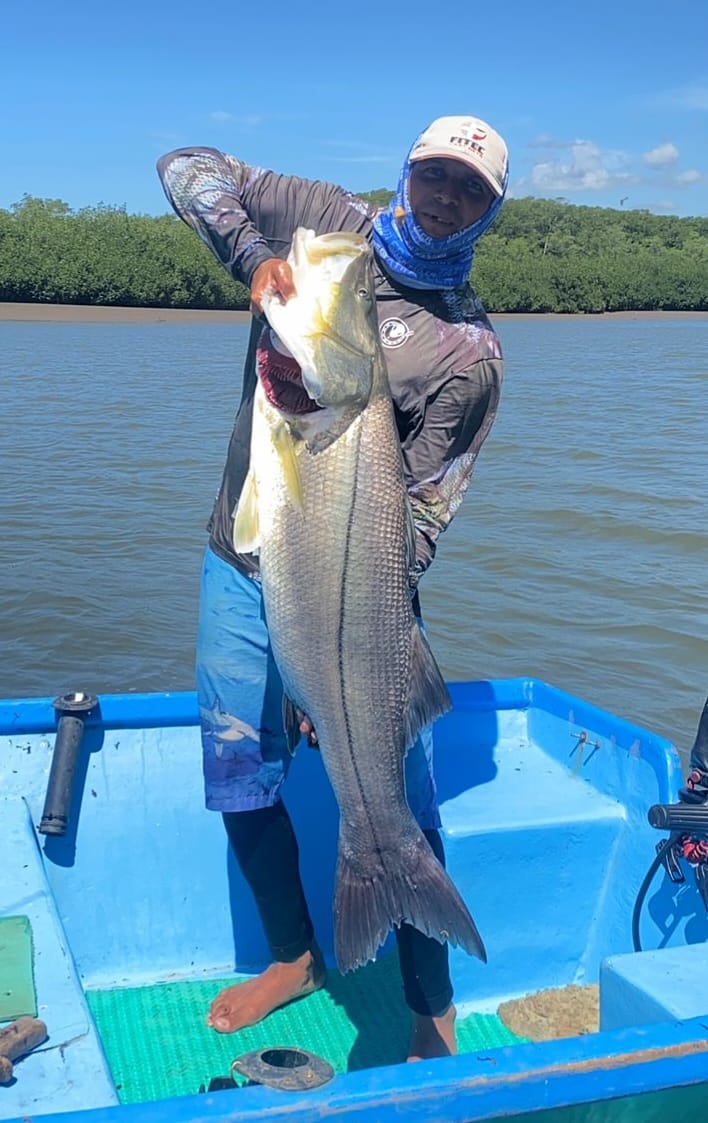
x=394 y=332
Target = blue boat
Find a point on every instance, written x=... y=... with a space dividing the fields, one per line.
x=122 y=913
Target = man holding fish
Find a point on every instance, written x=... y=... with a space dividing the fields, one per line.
x=369 y=387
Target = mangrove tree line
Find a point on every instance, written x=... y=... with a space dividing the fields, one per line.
x=541 y=255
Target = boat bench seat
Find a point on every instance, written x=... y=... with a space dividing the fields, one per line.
x=523 y=788
x=535 y=848
x=669 y=984
x=70 y=1068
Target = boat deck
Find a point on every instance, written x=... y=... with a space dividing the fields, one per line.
x=139 y=915
x=158 y=1046
x=139 y=1029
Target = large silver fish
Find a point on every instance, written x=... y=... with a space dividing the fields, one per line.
x=325 y=506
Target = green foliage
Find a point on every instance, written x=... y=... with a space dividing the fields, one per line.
x=542 y=255
x=102 y=255
x=380 y=198
x=545 y=255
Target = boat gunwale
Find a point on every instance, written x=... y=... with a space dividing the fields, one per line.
x=488 y=1085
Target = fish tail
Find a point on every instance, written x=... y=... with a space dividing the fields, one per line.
x=417 y=891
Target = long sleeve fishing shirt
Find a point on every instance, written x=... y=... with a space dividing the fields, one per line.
x=443 y=357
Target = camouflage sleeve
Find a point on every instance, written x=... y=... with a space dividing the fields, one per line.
x=206 y=189
x=439 y=462
x=247 y=215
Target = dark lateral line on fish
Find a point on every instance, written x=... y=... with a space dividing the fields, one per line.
x=340 y=629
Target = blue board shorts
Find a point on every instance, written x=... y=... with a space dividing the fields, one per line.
x=245 y=750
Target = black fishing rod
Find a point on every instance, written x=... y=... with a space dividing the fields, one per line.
x=687 y=822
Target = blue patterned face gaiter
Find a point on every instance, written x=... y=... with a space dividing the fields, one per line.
x=412 y=257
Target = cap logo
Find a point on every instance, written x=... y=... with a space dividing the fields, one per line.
x=470 y=128
x=468 y=144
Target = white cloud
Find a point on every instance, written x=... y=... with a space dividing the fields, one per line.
x=684 y=178
x=588 y=169
x=660 y=156
x=692 y=96
x=545 y=140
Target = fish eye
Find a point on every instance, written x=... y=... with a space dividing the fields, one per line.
x=364 y=294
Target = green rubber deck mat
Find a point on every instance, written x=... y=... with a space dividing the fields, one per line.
x=17 y=992
x=158 y=1046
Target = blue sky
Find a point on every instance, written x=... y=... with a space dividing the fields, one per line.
x=603 y=104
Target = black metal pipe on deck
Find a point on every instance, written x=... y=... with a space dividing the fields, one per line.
x=72 y=710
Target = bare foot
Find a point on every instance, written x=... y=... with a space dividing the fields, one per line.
x=433 y=1037
x=245 y=1004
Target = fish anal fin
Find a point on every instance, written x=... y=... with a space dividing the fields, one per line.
x=246 y=528
x=428 y=696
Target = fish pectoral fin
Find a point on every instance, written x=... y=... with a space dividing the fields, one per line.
x=246 y=535
x=287 y=453
x=428 y=696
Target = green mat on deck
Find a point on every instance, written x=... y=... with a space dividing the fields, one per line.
x=158 y=1046
x=17 y=993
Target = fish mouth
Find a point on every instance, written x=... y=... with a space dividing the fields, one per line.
x=284 y=388
x=281 y=375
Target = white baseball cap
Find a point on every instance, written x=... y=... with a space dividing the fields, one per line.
x=470 y=140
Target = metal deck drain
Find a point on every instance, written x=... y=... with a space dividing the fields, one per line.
x=292 y=1070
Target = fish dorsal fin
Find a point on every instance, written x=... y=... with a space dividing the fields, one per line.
x=246 y=534
x=428 y=696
